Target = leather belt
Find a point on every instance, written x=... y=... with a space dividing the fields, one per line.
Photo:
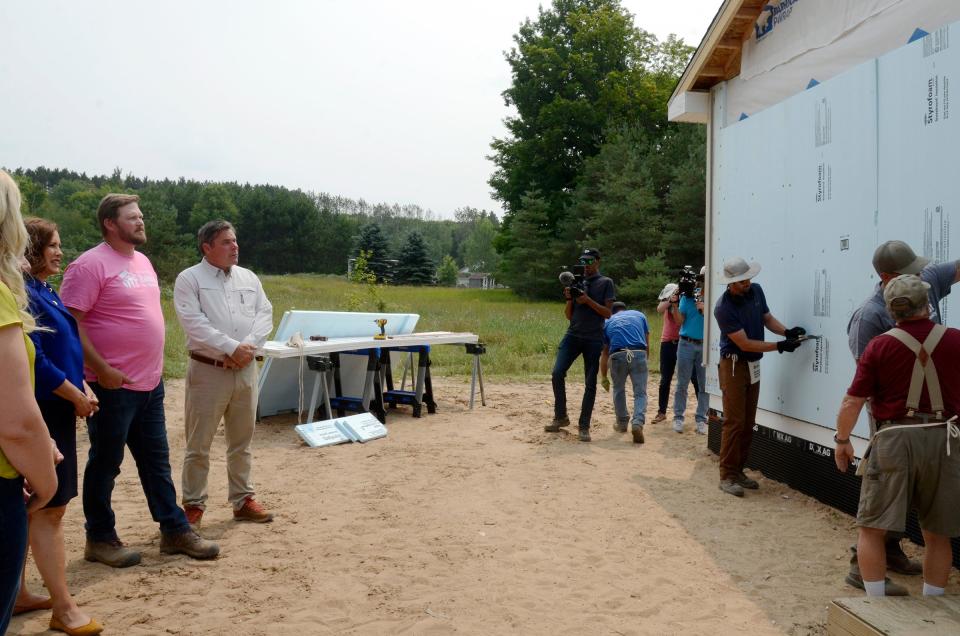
x=204 y=359
x=692 y=339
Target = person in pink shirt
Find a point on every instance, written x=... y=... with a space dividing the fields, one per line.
x=669 y=342
x=113 y=292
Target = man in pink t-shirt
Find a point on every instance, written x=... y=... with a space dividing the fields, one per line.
x=113 y=292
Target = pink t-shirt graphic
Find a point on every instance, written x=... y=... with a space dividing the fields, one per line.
x=120 y=295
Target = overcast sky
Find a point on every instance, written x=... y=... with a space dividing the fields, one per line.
x=389 y=101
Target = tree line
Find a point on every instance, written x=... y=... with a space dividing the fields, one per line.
x=281 y=231
x=590 y=159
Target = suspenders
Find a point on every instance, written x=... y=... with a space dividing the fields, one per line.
x=923 y=369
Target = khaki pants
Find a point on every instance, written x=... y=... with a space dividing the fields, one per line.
x=739 y=415
x=213 y=394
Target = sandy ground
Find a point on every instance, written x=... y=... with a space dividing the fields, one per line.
x=475 y=522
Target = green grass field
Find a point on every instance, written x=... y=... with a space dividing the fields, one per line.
x=521 y=336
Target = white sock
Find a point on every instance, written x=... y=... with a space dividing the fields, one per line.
x=875 y=588
x=932 y=590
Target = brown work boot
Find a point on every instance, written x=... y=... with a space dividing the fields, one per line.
x=194 y=516
x=899 y=562
x=112 y=553
x=731 y=487
x=556 y=424
x=252 y=511
x=189 y=543
x=637 y=432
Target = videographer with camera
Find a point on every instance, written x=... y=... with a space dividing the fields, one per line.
x=589 y=298
x=688 y=313
x=669 y=341
x=742 y=315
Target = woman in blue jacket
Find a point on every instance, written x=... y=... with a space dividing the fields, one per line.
x=62 y=396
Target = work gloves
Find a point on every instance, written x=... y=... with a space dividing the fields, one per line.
x=793 y=333
x=789 y=345
x=792 y=342
x=605 y=383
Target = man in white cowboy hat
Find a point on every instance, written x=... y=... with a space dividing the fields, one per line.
x=742 y=315
x=914 y=392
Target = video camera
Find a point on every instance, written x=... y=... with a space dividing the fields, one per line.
x=574 y=280
x=687 y=282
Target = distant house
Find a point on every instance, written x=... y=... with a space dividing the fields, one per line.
x=475 y=280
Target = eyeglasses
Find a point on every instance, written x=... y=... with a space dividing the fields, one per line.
x=587 y=261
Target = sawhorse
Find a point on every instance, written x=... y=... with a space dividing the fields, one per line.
x=422 y=393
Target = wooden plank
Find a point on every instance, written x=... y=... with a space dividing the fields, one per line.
x=894 y=616
x=842 y=621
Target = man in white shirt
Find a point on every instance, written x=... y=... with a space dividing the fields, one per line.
x=227 y=317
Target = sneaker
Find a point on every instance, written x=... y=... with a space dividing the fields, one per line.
x=620 y=426
x=637 y=434
x=556 y=424
x=746 y=482
x=890 y=589
x=112 y=553
x=678 y=426
x=659 y=417
x=584 y=435
x=194 y=515
x=701 y=428
x=731 y=487
x=189 y=543
x=900 y=563
x=252 y=511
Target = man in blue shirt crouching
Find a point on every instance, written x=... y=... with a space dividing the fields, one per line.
x=625 y=339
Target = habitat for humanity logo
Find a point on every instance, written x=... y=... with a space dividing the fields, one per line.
x=771 y=16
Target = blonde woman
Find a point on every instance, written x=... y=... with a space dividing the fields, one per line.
x=27 y=454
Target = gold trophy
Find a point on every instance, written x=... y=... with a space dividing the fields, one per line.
x=382 y=323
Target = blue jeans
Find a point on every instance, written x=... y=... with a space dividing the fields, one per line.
x=134 y=419
x=13 y=545
x=571 y=347
x=690 y=362
x=636 y=368
x=668 y=362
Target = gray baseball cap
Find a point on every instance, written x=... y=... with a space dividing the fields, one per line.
x=907 y=287
x=896 y=257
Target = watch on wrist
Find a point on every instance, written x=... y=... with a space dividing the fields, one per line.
x=840 y=441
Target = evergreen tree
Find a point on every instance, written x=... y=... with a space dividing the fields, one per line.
x=447 y=272
x=538 y=256
x=372 y=241
x=415 y=266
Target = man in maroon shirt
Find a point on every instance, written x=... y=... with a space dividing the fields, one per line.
x=913 y=383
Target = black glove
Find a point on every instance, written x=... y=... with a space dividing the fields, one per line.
x=794 y=333
x=789 y=345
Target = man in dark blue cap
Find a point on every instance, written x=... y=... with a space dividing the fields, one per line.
x=586 y=312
